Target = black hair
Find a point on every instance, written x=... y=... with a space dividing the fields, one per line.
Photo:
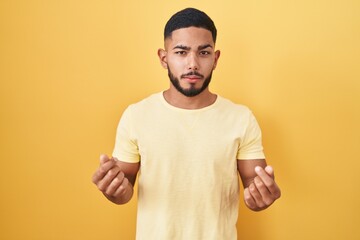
x=189 y=17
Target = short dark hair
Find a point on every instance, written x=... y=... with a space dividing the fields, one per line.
x=189 y=17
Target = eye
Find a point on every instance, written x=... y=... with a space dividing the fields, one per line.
x=180 y=52
x=204 y=53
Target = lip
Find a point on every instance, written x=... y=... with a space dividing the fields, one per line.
x=192 y=78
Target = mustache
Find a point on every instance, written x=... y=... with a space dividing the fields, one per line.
x=194 y=73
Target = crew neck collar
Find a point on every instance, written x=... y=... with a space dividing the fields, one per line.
x=167 y=104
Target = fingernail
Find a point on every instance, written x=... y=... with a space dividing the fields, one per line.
x=257 y=169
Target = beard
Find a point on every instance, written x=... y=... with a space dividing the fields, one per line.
x=192 y=91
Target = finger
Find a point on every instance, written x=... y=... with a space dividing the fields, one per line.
x=268 y=180
x=266 y=195
x=249 y=200
x=102 y=171
x=121 y=190
x=269 y=170
x=265 y=177
x=256 y=195
x=104 y=183
x=104 y=158
x=115 y=184
x=262 y=173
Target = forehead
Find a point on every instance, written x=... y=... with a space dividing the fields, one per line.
x=191 y=37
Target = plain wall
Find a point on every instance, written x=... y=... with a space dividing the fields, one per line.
x=68 y=69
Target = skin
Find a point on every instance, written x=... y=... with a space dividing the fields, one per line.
x=189 y=50
x=115 y=179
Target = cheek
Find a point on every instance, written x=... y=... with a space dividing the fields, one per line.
x=209 y=66
x=176 y=67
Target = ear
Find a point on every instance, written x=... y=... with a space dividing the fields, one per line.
x=217 y=56
x=162 y=57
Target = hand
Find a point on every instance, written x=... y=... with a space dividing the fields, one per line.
x=263 y=191
x=111 y=181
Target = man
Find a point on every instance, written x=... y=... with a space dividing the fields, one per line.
x=188 y=145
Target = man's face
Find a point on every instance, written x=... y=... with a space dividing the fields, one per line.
x=190 y=58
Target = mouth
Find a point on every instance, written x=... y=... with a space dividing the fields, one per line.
x=192 y=77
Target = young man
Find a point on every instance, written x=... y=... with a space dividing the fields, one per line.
x=188 y=146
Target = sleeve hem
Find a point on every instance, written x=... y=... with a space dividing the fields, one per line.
x=251 y=157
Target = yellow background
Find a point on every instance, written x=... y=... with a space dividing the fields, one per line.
x=69 y=68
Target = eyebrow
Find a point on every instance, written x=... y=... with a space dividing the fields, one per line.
x=182 y=47
x=201 y=47
x=204 y=46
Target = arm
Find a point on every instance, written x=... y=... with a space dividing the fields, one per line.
x=260 y=188
x=115 y=179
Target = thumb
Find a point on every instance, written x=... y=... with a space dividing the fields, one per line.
x=270 y=171
x=103 y=158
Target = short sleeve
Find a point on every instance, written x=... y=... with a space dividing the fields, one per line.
x=251 y=142
x=126 y=148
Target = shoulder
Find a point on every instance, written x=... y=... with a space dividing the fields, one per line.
x=145 y=107
x=145 y=103
x=236 y=108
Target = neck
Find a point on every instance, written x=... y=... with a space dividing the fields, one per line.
x=177 y=99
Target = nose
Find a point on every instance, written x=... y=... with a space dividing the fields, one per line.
x=193 y=63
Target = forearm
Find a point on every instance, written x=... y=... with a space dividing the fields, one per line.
x=122 y=198
x=247 y=172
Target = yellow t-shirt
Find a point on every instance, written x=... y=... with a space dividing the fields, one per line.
x=188 y=179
